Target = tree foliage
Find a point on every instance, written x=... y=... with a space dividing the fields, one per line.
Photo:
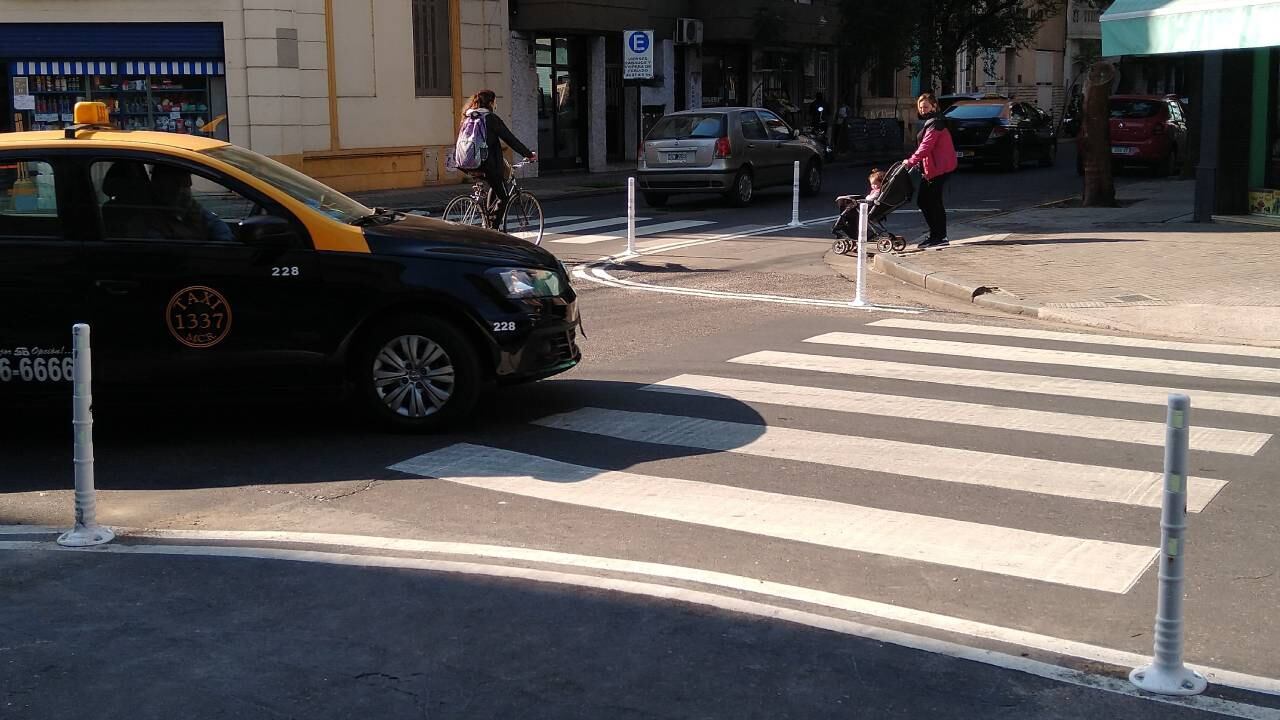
x=930 y=33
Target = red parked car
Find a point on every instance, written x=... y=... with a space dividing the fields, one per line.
x=1146 y=130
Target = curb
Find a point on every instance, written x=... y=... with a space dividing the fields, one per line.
x=987 y=296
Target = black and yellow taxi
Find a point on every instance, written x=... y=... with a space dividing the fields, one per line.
x=204 y=267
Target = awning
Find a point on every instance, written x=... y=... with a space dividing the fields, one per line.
x=1155 y=27
x=117 y=67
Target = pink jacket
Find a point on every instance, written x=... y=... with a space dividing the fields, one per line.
x=936 y=151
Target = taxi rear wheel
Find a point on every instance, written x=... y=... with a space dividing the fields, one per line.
x=417 y=372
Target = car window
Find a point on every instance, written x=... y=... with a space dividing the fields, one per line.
x=975 y=112
x=777 y=129
x=1134 y=109
x=304 y=189
x=752 y=128
x=28 y=200
x=157 y=201
x=687 y=127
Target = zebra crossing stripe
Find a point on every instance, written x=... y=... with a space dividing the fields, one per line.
x=1236 y=442
x=548 y=222
x=1029 y=333
x=1011 y=353
x=1012 y=382
x=647 y=230
x=590 y=225
x=968 y=467
x=1094 y=564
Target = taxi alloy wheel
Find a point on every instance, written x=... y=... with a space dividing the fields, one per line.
x=418 y=373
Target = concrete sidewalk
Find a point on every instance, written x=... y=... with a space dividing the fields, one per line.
x=1141 y=268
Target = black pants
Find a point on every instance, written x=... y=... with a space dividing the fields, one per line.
x=496 y=176
x=930 y=202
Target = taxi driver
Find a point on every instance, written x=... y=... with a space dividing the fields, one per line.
x=177 y=215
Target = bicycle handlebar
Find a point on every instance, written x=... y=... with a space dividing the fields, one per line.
x=522 y=163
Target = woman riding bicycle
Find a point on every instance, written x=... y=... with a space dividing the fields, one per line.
x=494 y=168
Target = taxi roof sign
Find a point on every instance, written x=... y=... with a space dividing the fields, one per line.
x=91 y=113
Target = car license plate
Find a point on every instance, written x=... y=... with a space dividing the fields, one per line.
x=677 y=157
x=1121 y=150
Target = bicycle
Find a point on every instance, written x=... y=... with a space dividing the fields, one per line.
x=523 y=217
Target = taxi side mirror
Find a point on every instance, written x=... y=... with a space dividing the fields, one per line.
x=267 y=231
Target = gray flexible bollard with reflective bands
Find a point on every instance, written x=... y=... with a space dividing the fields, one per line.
x=87 y=531
x=1167 y=675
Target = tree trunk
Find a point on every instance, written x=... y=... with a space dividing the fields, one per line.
x=1099 y=187
x=928 y=41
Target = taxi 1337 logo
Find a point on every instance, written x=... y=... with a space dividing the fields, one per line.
x=198 y=317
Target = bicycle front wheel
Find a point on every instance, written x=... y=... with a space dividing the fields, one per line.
x=464 y=210
x=523 y=218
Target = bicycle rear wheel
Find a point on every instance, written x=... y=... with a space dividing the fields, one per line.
x=464 y=210
x=523 y=218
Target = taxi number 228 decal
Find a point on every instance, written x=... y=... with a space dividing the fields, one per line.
x=285 y=271
x=504 y=326
x=39 y=369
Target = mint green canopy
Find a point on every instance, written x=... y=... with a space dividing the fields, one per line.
x=1154 y=27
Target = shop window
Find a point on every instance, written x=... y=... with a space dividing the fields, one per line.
x=28 y=200
x=432 y=67
x=165 y=202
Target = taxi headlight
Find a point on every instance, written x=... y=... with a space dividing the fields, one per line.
x=527 y=283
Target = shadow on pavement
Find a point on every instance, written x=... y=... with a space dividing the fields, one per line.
x=291 y=441
x=147 y=636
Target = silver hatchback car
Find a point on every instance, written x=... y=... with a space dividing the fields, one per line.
x=729 y=151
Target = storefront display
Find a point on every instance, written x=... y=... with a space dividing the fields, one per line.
x=168 y=96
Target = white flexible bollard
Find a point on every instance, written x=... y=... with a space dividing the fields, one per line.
x=87 y=532
x=859 y=297
x=1166 y=675
x=795 y=196
x=631 y=216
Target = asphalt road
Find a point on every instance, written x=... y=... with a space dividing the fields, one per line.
x=735 y=433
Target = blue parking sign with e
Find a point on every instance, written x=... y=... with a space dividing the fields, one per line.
x=639 y=42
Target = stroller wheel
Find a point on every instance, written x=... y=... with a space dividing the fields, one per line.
x=884 y=244
x=841 y=247
x=899 y=243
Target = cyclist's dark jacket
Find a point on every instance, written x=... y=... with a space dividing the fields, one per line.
x=496 y=129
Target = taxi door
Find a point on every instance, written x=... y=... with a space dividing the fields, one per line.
x=41 y=271
x=196 y=281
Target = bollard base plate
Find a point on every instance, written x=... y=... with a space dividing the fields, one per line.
x=82 y=536
x=1165 y=681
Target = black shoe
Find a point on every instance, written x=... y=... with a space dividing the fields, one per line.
x=925 y=244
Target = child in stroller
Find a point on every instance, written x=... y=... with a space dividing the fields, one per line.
x=889 y=190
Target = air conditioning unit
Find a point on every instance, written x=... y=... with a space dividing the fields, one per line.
x=688 y=31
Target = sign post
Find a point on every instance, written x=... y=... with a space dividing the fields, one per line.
x=637 y=66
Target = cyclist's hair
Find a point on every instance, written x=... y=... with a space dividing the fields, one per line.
x=483 y=99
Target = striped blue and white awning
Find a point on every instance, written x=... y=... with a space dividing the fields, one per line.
x=118 y=67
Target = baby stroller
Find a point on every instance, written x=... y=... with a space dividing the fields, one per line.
x=896 y=190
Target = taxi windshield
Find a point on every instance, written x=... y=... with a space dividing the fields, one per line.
x=302 y=188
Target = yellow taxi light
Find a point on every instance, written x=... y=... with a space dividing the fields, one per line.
x=92 y=113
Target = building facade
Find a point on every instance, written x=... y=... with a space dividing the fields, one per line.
x=567 y=84
x=363 y=95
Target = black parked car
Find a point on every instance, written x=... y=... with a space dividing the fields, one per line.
x=1007 y=132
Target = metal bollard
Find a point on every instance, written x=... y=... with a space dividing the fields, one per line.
x=87 y=531
x=631 y=216
x=1167 y=675
x=795 y=196
x=864 y=209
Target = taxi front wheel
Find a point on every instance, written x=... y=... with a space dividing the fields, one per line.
x=417 y=372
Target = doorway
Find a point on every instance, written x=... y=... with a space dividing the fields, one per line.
x=562 y=106
x=6 y=96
